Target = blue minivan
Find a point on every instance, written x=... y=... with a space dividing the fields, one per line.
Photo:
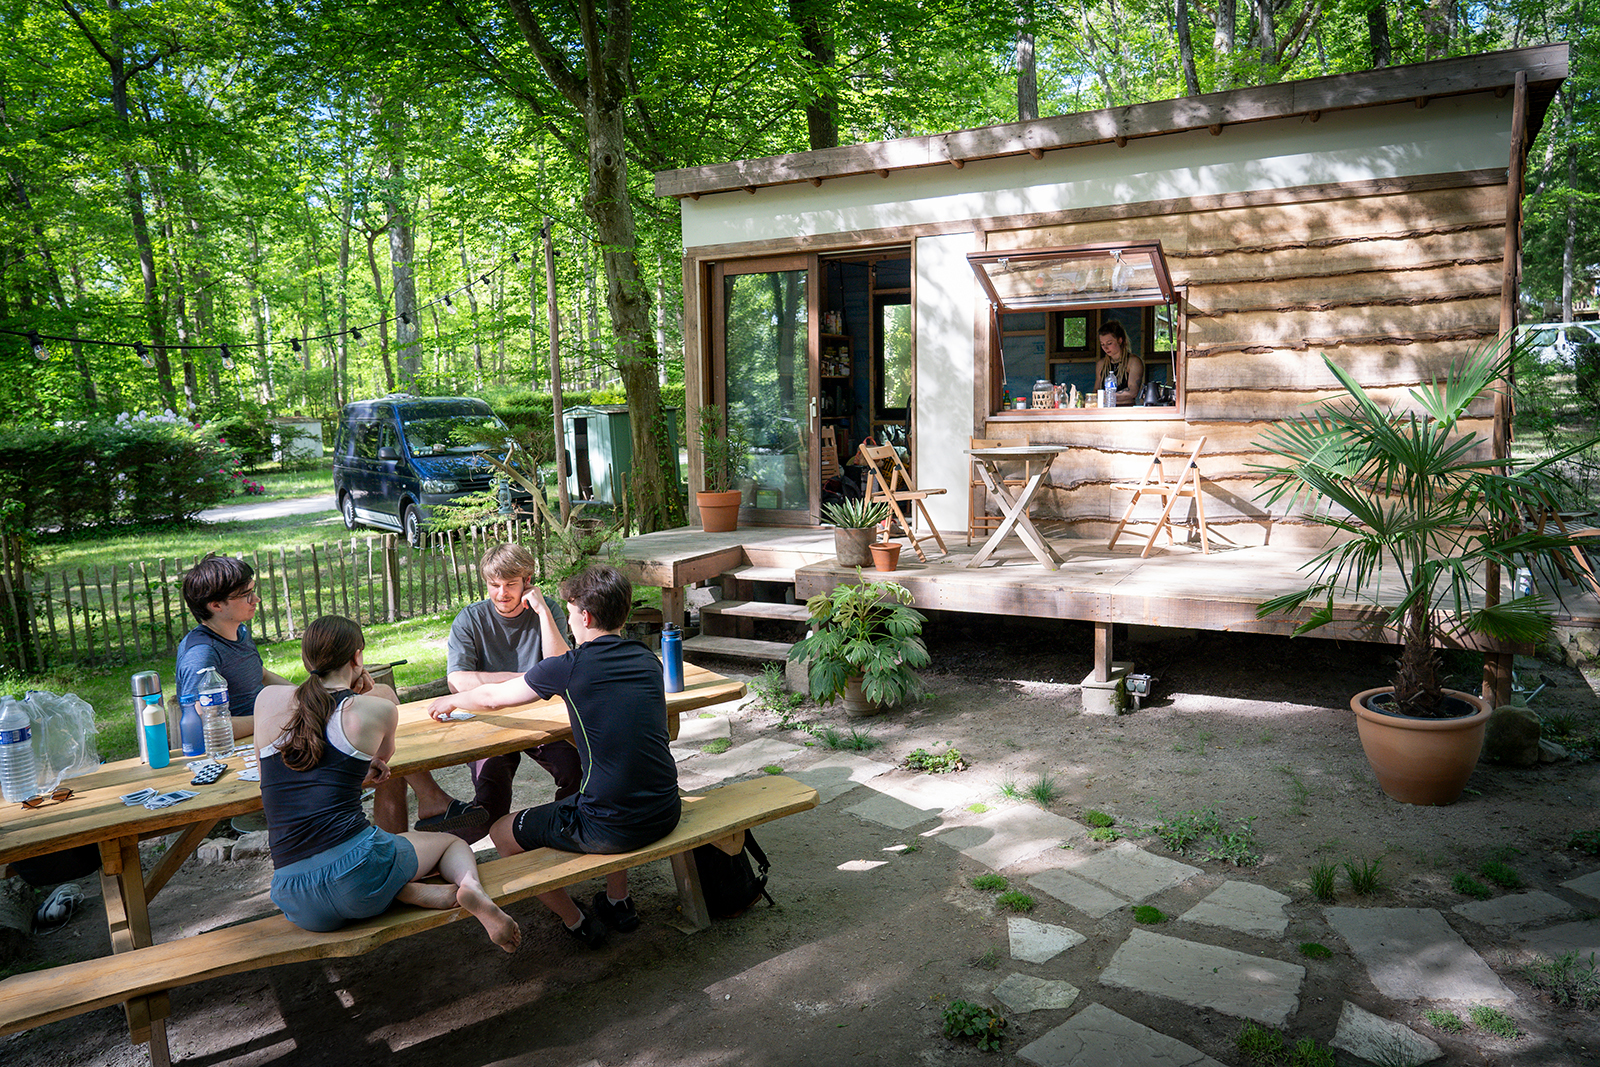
x=397 y=457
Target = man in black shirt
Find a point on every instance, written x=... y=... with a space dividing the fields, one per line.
x=617 y=704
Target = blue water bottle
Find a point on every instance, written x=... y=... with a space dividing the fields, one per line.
x=154 y=719
x=190 y=728
x=672 y=657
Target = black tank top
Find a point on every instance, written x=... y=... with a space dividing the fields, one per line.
x=311 y=811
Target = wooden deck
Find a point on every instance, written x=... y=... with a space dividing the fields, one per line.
x=1175 y=587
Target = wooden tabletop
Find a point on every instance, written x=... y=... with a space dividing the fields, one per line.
x=1016 y=452
x=95 y=812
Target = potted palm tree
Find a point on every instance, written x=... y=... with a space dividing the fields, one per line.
x=865 y=641
x=721 y=454
x=1415 y=499
x=854 y=522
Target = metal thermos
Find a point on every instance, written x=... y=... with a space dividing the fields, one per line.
x=146 y=693
x=672 y=657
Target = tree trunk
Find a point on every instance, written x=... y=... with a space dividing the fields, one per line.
x=472 y=308
x=1191 y=80
x=1438 y=25
x=1222 y=41
x=383 y=323
x=822 y=107
x=1378 y=35
x=1027 y=77
x=563 y=493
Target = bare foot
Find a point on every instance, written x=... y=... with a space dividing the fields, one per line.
x=428 y=895
x=503 y=929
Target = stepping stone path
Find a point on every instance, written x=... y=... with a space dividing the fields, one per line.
x=1409 y=953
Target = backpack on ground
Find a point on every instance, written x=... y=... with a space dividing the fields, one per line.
x=730 y=886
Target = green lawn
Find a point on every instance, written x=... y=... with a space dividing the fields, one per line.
x=284 y=484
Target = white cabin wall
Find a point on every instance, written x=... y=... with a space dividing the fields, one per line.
x=1454 y=134
x=945 y=292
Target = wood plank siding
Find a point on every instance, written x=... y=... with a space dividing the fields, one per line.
x=1395 y=285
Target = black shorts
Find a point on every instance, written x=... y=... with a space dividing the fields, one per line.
x=560 y=825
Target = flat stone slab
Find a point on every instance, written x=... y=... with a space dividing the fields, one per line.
x=839 y=773
x=1517 y=909
x=903 y=806
x=1378 y=1040
x=998 y=839
x=1036 y=942
x=1099 y=1037
x=1093 y=900
x=1205 y=976
x=742 y=759
x=1022 y=993
x=1244 y=907
x=1588 y=885
x=694 y=732
x=1412 y=952
x=1130 y=871
x=1553 y=941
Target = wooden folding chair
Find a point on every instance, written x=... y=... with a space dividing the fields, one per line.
x=1574 y=525
x=830 y=453
x=889 y=481
x=1156 y=483
x=980 y=524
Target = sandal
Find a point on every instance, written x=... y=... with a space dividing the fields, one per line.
x=460 y=815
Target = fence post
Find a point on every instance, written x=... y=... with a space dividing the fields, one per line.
x=391 y=574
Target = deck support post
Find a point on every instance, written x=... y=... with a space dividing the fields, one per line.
x=1102 y=651
x=672 y=605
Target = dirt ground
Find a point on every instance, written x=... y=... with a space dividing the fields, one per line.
x=866 y=946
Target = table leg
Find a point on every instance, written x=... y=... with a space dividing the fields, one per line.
x=175 y=857
x=128 y=919
x=1015 y=512
x=996 y=487
x=1030 y=535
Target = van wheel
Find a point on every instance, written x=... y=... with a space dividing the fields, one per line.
x=347 y=508
x=411 y=523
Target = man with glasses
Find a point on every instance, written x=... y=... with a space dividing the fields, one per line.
x=221 y=592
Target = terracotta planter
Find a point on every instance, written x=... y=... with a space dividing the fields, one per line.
x=1421 y=761
x=853 y=547
x=856 y=705
x=885 y=555
x=719 y=512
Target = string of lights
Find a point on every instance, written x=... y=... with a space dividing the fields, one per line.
x=41 y=348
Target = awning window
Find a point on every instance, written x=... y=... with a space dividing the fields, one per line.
x=1097 y=276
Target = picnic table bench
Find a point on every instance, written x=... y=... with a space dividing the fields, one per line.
x=719 y=815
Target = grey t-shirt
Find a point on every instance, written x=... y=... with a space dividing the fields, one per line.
x=481 y=639
x=237 y=661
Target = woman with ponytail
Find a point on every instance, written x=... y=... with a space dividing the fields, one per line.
x=329 y=864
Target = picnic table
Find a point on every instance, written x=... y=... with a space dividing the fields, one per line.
x=95 y=814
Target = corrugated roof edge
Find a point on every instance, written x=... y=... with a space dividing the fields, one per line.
x=1546 y=67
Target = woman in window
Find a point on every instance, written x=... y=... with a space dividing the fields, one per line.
x=329 y=865
x=1116 y=359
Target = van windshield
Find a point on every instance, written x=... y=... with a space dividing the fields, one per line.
x=465 y=432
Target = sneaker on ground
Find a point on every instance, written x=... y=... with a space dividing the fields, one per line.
x=591 y=932
x=459 y=815
x=57 y=908
x=621 y=917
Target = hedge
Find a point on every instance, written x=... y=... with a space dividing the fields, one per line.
x=529 y=413
x=136 y=469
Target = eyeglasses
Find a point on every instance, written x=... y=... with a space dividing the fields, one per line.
x=38 y=801
x=249 y=594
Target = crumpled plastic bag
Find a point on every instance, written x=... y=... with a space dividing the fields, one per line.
x=63 y=736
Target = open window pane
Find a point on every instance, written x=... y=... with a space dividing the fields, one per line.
x=1060 y=277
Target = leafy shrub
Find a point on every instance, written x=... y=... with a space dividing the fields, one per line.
x=964 y=1019
x=133 y=469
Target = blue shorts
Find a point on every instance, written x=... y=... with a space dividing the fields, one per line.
x=355 y=879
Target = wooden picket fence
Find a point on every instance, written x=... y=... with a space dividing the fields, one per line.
x=134 y=610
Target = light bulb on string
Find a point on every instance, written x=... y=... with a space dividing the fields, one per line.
x=39 y=348
x=355 y=335
x=515 y=258
x=405 y=319
x=449 y=305
x=227 y=357
x=294 y=345
x=144 y=355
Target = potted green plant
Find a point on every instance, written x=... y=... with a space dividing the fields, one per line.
x=1417 y=505
x=854 y=522
x=864 y=644
x=721 y=454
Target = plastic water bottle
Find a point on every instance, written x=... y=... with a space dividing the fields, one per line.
x=672 y=657
x=19 y=773
x=190 y=729
x=214 y=714
x=1111 y=389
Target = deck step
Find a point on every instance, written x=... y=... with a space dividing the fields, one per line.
x=737 y=647
x=757 y=609
x=752 y=573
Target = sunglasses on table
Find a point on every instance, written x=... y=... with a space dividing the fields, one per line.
x=38 y=801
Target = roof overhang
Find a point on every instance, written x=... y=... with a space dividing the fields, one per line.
x=1545 y=66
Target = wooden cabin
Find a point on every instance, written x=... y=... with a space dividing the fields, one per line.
x=911 y=290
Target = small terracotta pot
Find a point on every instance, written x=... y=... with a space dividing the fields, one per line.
x=853 y=547
x=1421 y=761
x=719 y=512
x=885 y=555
